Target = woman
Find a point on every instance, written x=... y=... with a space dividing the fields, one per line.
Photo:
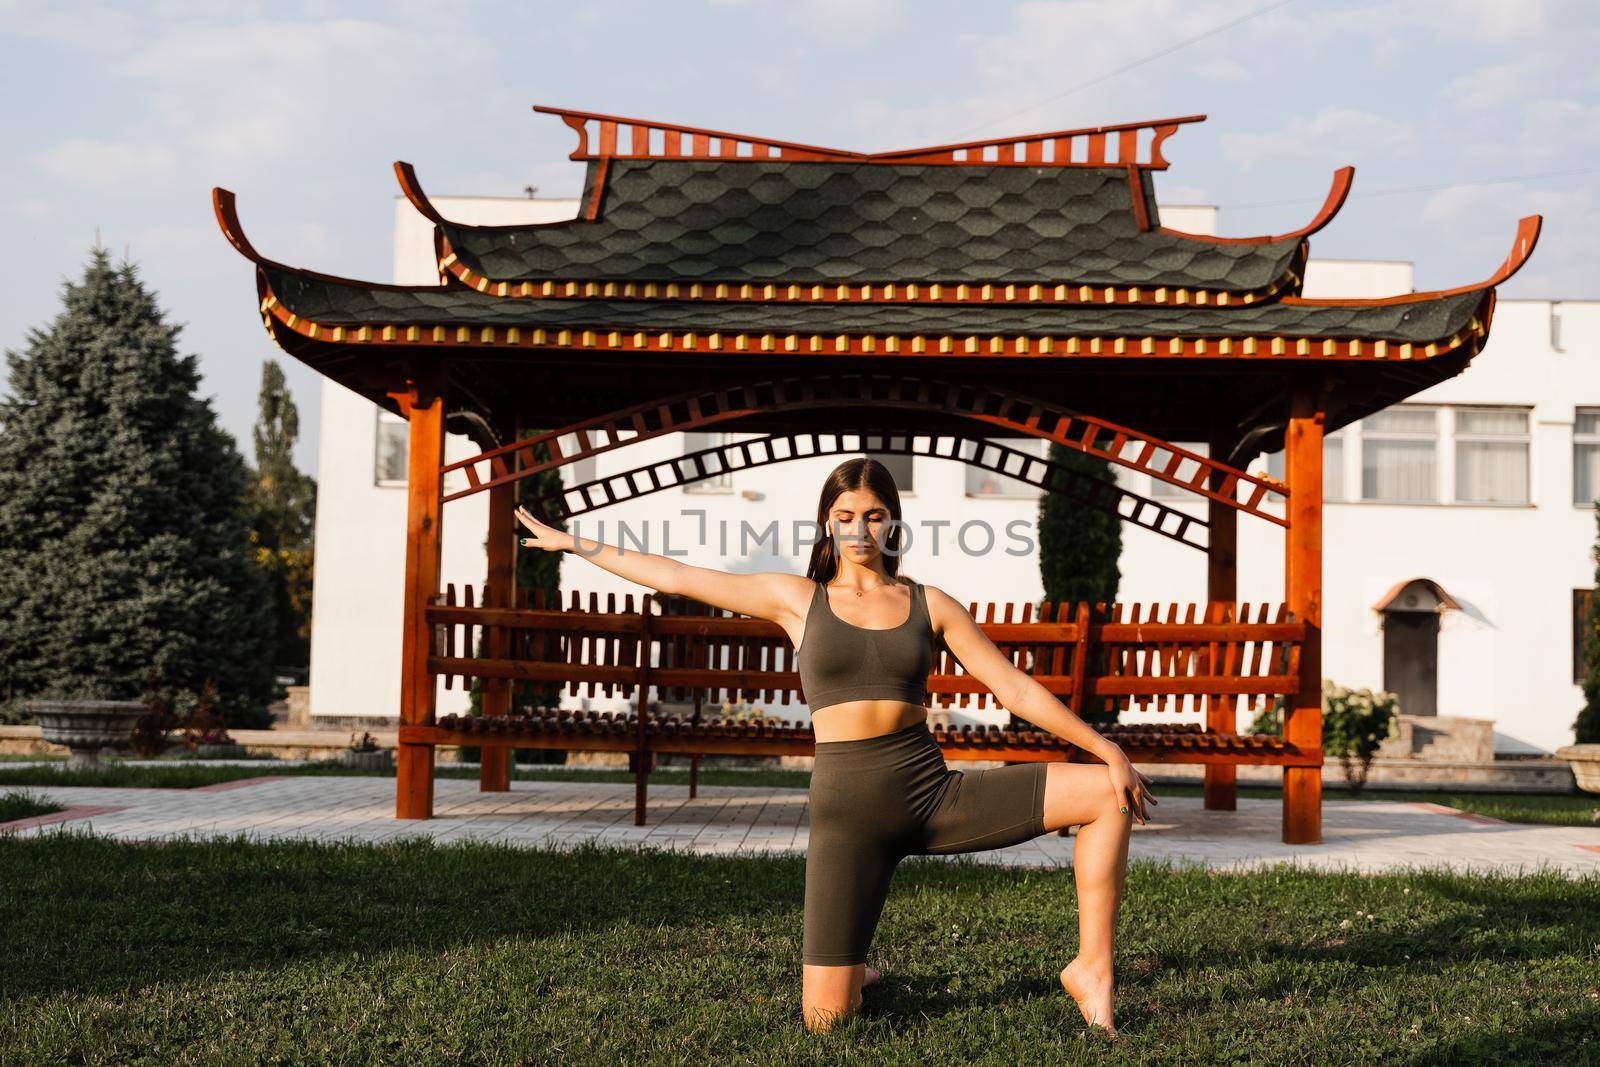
x=880 y=789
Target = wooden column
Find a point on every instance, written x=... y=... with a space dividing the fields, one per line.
x=1222 y=584
x=422 y=402
x=1302 y=721
x=643 y=759
x=494 y=770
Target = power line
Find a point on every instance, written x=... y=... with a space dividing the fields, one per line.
x=1130 y=66
x=1417 y=189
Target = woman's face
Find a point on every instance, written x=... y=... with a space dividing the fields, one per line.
x=859 y=523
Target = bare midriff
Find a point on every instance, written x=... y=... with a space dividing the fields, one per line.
x=854 y=720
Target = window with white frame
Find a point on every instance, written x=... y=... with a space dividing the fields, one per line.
x=1400 y=455
x=719 y=478
x=389 y=453
x=985 y=482
x=1585 y=456
x=1332 y=465
x=1491 y=455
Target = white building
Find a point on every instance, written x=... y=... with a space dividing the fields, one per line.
x=1482 y=485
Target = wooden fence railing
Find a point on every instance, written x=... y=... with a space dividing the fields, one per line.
x=1095 y=659
x=1107 y=658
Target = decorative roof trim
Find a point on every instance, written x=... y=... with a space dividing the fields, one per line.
x=1338 y=192
x=1522 y=245
x=1086 y=147
x=641 y=132
x=602 y=338
x=1061 y=146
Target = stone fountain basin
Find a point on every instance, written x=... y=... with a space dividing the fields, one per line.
x=86 y=726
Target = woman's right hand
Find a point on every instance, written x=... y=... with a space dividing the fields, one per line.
x=544 y=536
x=1132 y=786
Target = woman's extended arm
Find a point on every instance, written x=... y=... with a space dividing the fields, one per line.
x=763 y=595
x=1021 y=694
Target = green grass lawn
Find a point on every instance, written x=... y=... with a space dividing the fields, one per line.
x=1577 y=809
x=20 y=804
x=419 y=953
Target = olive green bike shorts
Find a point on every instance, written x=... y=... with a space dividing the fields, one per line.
x=875 y=801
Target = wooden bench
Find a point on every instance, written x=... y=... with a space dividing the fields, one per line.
x=1108 y=658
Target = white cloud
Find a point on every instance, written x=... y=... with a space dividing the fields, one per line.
x=1491 y=86
x=224 y=99
x=842 y=22
x=91 y=27
x=1473 y=21
x=1334 y=135
x=106 y=164
x=1044 y=48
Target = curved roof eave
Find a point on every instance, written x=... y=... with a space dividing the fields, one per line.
x=224 y=203
x=1522 y=244
x=1338 y=193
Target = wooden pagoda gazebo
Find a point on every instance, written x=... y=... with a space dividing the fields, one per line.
x=1010 y=288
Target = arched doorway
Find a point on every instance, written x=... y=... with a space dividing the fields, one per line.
x=1410 y=612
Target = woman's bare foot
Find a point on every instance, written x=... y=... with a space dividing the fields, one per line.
x=1091 y=988
x=869 y=976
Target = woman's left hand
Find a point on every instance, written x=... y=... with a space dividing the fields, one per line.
x=544 y=536
x=1132 y=787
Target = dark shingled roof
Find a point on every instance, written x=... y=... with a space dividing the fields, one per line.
x=769 y=221
x=333 y=302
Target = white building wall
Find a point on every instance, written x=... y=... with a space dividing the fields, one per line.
x=357 y=599
x=1506 y=656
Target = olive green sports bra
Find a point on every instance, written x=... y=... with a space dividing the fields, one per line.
x=840 y=661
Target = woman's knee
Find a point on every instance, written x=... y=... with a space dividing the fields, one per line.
x=1084 y=795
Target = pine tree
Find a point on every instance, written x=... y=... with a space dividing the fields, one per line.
x=1079 y=546
x=124 y=545
x=283 y=504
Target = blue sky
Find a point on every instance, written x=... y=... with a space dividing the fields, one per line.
x=122 y=117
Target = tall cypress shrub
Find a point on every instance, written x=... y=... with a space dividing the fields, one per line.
x=1079 y=547
x=1586 y=727
x=283 y=504
x=124 y=535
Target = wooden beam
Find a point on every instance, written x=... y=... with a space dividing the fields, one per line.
x=1221 y=790
x=422 y=402
x=494 y=773
x=643 y=757
x=1302 y=720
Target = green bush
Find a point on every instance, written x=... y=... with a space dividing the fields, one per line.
x=1354 y=723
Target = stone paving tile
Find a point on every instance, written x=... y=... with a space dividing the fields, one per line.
x=746 y=820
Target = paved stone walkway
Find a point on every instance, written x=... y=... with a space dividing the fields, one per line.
x=1364 y=835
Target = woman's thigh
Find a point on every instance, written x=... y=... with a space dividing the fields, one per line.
x=847 y=882
x=1076 y=793
x=981 y=810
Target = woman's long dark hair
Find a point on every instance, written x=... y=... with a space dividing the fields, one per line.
x=862 y=472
